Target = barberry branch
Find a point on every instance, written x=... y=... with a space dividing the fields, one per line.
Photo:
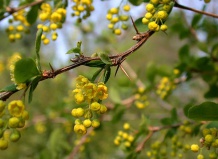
x=82 y=60
x=10 y=10
x=152 y=130
x=195 y=10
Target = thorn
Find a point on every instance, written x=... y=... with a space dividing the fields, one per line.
x=125 y=72
x=137 y=32
x=52 y=69
x=117 y=70
x=119 y=64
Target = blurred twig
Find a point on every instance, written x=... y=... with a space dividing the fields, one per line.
x=195 y=10
x=10 y=10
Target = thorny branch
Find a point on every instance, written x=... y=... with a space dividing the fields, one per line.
x=116 y=60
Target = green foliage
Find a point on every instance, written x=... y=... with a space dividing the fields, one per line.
x=25 y=70
x=205 y=111
x=32 y=15
x=158 y=99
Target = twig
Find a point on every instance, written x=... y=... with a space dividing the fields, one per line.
x=10 y=10
x=195 y=10
x=152 y=130
x=81 y=142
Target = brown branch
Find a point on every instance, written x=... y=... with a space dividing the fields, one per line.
x=10 y=10
x=81 y=142
x=152 y=130
x=195 y=10
x=82 y=60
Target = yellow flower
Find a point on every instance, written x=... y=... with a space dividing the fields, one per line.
x=78 y=96
x=195 y=147
x=12 y=60
x=21 y=86
x=126 y=126
x=16 y=108
x=81 y=81
x=95 y=106
x=80 y=129
x=102 y=91
x=90 y=90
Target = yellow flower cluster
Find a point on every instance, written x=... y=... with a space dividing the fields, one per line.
x=170 y=148
x=18 y=25
x=55 y=18
x=157 y=13
x=141 y=100
x=124 y=138
x=92 y=94
x=11 y=65
x=82 y=9
x=118 y=16
x=11 y=117
x=165 y=86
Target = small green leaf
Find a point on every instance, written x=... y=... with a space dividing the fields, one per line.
x=9 y=88
x=203 y=46
x=196 y=19
x=104 y=58
x=212 y=124
x=74 y=50
x=24 y=70
x=33 y=86
x=167 y=121
x=186 y=109
x=79 y=44
x=212 y=93
x=96 y=63
x=205 y=111
x=32 y=14
x=96 y=74
x=214 y=51
x=37 y=47
x=107 y=73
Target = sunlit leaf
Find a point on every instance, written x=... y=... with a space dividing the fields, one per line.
x=24 y=70
x=37 y=48
x=74 y=50
x=9 y=88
